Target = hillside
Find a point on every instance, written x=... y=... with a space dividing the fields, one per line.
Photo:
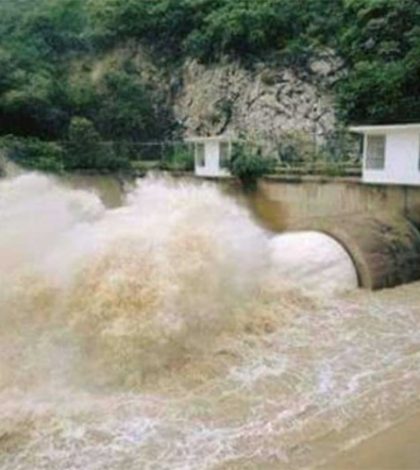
x=142 y=70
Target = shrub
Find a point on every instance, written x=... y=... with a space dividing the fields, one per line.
x=249 y=165
x=180 y=159
x=296 y=147
x=129 y=109
x=244 y=29
x=34 y=154
x=334 y=169
x=84 y=150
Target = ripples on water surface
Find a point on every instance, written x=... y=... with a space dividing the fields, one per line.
x=173 y=333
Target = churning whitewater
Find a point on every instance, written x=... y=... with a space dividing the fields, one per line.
x=174 y=333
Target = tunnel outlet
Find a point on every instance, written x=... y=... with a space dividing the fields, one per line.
x=385 y=249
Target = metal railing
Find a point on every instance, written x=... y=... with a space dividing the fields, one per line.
x=144 y=151
x=296 y=152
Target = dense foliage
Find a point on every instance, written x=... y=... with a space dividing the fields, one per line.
x=381 y=42
x=247 y=164
x=35 y=154
x=51 y=51
x=47 y=56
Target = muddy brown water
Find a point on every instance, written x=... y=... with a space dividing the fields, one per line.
x=167 y=329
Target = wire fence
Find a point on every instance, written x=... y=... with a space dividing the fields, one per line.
x=141 y=156
x=297 y=147
x=288 y=148
x=141 y=151
x=294 y=152
x=332 y=154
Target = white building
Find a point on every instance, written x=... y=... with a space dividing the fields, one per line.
x=212 y=155
x=391 y=154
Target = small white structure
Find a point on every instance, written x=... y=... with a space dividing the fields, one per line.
x=391 y=154
x=212 y=155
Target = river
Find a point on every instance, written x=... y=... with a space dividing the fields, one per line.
x=162 y=327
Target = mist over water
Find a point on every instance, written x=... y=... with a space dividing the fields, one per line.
x=173 y=332
x=313 y=260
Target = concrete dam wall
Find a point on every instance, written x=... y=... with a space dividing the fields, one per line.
x=384 y=250
x=377 y=225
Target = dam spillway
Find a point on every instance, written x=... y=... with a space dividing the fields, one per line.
x=385 y=250
x=378 y=226
x=313 y=260
x=169 y=333
x=369 y=252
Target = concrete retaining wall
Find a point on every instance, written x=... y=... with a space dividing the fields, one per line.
x=375 y=224
x=385 y=250
x=300 y=198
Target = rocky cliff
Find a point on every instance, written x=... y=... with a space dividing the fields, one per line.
x=263 y=102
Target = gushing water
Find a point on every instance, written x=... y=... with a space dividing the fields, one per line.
x=313 y=260
x=174 y=333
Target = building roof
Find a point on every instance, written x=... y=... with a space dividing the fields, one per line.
x=385 y=127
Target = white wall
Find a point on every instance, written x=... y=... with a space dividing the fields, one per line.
x=402 y=150
x=212 y=166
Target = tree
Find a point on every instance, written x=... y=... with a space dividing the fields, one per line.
x=381 y=44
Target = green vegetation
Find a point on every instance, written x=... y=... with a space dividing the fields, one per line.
x=67 y=62
x=48 y=53
x=179 y=158
x=83 y=150
x=34 y=154
x=381 y=43
x=247 y=164
x=83 y=153
x=298 y=148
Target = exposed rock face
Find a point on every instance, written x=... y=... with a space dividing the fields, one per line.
x=263 y=103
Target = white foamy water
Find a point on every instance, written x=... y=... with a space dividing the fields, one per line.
x=172 y=333
x=313 y=260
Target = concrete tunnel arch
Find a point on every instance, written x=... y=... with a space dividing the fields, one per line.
x=385 y=249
